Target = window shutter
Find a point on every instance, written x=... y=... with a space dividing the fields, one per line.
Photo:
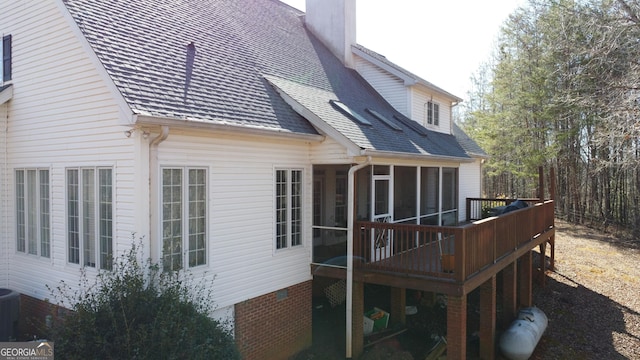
x=6 y=57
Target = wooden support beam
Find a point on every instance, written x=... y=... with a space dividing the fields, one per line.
x=552 y=244
x=525 y=288
x=509 y=293
x=543 y=263
x=398 y=306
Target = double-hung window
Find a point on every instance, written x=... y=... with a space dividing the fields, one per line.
x=184 y=217
x=433 y=113
x=90 y=216
x=33 y=230
x=5 y=55
x=288 y=208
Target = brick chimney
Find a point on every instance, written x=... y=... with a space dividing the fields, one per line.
x=334 y=23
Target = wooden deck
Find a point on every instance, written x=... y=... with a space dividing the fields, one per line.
x=411 y=256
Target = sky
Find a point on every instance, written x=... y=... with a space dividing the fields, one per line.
x=443 y=42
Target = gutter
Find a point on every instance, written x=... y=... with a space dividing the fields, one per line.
x=421 y=157
x=350 y=216
x=197 y=124
x=451 y=119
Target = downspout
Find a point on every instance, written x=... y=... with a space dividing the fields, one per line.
x=5 y=212
x=153 y=178
x=350 y=217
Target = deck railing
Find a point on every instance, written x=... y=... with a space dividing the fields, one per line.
x=427 y=250
x=480 y=208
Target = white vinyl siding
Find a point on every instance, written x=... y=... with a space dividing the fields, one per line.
x=90 y=217
x=68 y=118
x=242 y=261
x=288 y=208
x=329 y=152
x=184 y=215
x=470 y=184
x=389 y=86
x=423 y=104
x=33 y=231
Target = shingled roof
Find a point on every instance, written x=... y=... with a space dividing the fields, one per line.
x=221 y=62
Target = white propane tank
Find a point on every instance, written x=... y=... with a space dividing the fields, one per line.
x=522 y=336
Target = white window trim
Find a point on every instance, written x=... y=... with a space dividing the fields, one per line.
x=97 y=265
x=185 y=214
x=302 y=243
x=38 y=210
x=430 y=107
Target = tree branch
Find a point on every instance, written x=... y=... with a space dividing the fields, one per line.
x=632 y=16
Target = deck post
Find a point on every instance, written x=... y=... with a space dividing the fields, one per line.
x=460 y=272
x=509 y=292
x=541 y=184
x=488 y=319
x=543 y=263
x=552 y=245
x=525 y=288
x=552 y=183
x=457 y=327
x=357 y=340
x=398 y=305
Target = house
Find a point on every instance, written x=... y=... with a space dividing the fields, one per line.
x=241 y=140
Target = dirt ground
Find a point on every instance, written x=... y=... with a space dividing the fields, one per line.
x=592 y=300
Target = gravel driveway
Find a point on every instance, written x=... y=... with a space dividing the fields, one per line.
x=592 y=299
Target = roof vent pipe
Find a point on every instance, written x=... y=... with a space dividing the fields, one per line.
x=191 y=57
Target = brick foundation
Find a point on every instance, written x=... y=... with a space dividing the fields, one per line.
x=276 y=325
x=457 y=327
x=33 y=317
x=488 y=313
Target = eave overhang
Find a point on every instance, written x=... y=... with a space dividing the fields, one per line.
x=143 y=121
x=418 y=157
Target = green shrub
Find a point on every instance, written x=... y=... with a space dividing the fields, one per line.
x=137 y=311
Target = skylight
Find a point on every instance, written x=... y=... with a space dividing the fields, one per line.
x=387 y=122
x=349 y=112
x=412 y=124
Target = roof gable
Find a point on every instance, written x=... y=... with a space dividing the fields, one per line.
x=143 y=45
x=406 y=76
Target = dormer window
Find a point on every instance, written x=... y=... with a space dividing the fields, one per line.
x=6 y=57
x=433 y=113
